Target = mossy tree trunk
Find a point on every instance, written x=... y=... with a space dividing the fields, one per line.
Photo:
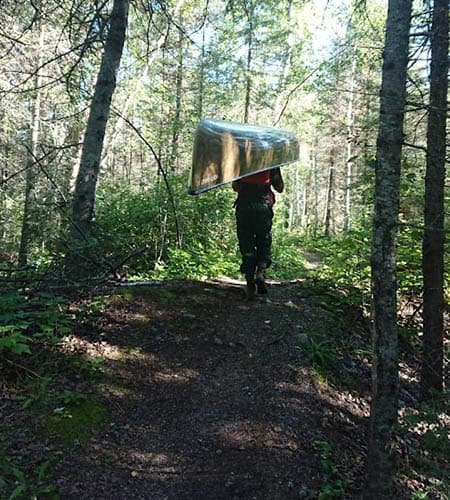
x=383 y=260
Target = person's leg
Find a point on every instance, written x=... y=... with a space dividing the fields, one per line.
x=247 y=247
x=260 y=281
x=263 y=248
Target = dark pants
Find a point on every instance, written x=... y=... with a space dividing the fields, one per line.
x=254 y=231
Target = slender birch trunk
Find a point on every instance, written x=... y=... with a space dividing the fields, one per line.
x=287 y=64
x=384 y=281
x=304 y=222
x=4 y=161
x=349 y=173
x=330 y=196
x=248 y=76
x=176 y=122
x=315 y=188
x=201 y=83
x=434 y=235
x=298 y=200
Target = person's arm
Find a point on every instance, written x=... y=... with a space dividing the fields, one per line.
x=277 y=180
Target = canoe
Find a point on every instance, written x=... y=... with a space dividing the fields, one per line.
x=226 y=151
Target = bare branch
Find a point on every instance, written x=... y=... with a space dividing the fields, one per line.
x=301 y=83
x=415 y=146
x=160 y=169
x=37 y=161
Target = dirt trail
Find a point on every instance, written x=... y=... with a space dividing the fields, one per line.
x=202 y=395
x=211 y=397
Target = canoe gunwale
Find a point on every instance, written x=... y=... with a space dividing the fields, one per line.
x=228 y=151
x=209 y=188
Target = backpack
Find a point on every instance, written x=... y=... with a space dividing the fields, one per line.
x=255 y=192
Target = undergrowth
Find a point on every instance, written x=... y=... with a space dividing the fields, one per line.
x=32 y=324
x=27 y=318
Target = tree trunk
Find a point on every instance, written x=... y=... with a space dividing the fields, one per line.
x=248 y=78
x=176 y=122
x=330 y=196
x=286 y=65
x=86 y=182
x=4 y=161
x=201 y=83
x=304 y=221
x=433 y=238
x=383 y=260
x=30 y=178
x=350 y=126
x=315 y=189
x=298 y=200
x=78 y=134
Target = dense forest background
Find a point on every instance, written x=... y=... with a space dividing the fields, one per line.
x=310 y=67
x=79 y=204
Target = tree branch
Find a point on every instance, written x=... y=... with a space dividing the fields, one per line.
x=296 y=87
x=415 y=146
x=160 y=169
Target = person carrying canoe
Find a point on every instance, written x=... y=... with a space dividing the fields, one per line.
x=254 y=216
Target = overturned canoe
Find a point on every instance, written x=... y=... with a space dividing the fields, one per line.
x=227 y=151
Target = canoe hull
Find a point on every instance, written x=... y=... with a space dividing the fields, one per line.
x=226 y=151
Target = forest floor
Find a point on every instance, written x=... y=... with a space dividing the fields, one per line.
x=184 y=390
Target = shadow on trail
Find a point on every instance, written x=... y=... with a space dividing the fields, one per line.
x=210 y=397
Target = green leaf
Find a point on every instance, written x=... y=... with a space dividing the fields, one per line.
x=20 y=349
x=413 y=419
x=42 y=471
x=17 y=491
x=18 y=474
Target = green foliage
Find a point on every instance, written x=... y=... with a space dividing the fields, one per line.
x=429 y=426
x=346 y=260
x=419 y=495
x=429 y=423
x=409 y=260
x=38 y=393
x=15 y=482
x=89 y=366
x=127 y=220
x=71 y=397
x=320 y=349
x=197 y=263
x=334 y=484
x=288 y=260
x=89 y=308
x=13 y=341
x=26 y=318
x=131 y=219
x=74 y=421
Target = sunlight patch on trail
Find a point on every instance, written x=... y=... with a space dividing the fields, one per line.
x=179 y=377
x=246 y=434
x=79 y=345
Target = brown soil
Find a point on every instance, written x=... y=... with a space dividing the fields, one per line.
x=208 y=396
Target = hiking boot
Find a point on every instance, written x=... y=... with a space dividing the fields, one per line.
x=260 y=281
x=251 y=288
